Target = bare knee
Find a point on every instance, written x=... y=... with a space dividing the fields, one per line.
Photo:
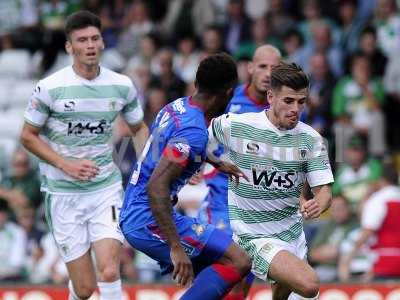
x=242 y=263
x=109 y=273
x=84 y=290
x=309 y=287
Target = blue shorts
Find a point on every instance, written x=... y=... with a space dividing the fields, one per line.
x=218 y=217
x=203 y=243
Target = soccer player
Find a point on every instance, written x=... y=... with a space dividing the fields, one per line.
x=251 y=97
x=68 y=125
x=278 y=153
x=174 y=152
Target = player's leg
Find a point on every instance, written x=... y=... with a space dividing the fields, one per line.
x=294 y=274
x=65 y=217
x=82 y=277
x=107 y=253
x=226 y=264
x=107 y=239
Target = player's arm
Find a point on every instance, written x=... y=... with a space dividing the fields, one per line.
x=158 y=189
x=140 y=134
x=80 y=169
x=315 y=206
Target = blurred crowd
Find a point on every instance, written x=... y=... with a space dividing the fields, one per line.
x=347 y=47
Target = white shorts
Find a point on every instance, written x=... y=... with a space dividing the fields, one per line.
x=78 y=220
x=263 y=250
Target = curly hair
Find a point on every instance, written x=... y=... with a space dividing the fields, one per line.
x=216 y=73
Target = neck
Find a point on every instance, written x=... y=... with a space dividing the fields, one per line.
x=85 y=71
x=255 y=95
x=273 y=119
x=201 y=101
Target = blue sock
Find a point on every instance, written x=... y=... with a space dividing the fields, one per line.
x=213 y=283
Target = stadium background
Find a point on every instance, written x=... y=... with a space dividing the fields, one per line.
x=348 y=48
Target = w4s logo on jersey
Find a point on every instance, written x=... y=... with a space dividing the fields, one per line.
x=273 y=179
x=85 y=128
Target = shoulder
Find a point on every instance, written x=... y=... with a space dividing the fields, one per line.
x=57 y=79
x=303 y=128
x=116 y=78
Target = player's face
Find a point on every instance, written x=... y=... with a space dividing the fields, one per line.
x=85 y=45
x=286 y=106
x=260 y=70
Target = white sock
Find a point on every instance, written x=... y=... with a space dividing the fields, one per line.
x=110 y=290
x=294 y=296
x=72 y=295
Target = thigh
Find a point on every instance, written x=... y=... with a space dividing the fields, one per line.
x=67 y=223
x=81 y=272
x=290 y=271
x=107 y=253
x=103 y=218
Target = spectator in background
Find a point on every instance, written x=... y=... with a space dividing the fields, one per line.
x=322 y=41
x=369 y=48
x=354 y=177
x=324 y=249
x=157 y=99
x=237 y=26
x=292 y=46
x=166 y=78
x=136 y=24
x=279 y=19
x=358 y=100
x=387 y=22
x=322 y=82
x=260 y=35
x=212 y=41
x=351 y=25
x=380 y=217
x=12 y=246
x=187 y=17
x=24 y=179
x=186 y=59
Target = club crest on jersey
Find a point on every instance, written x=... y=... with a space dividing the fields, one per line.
x=302 y=154
x=113 y=104
x=69 y=105
x=198 y=228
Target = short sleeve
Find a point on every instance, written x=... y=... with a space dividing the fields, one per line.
x=187 y=144
x=373 y=213
x=219 y=131
x=132 y=111
x=318 y=168
x=39 y=106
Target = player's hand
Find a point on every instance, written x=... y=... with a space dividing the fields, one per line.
x=310 y=209
x=196 y=179
x=82 y=169
x=234 y=172
x=183 y=269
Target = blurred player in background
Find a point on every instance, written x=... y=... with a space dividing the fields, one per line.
x=278 y=153
x=68 y=125
x=251 y=97
x=174 y=152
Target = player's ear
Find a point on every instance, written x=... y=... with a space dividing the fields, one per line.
x=250 y=68
x=68 y=47
x=270 y=96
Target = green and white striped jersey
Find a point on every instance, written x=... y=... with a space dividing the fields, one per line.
x=76 y=117
x=277 y=163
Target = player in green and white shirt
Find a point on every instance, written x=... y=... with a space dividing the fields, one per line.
x=278 y=154
x=68 y=125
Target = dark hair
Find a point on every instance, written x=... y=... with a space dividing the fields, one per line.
x=390 y=173
x=290 y=75
x=4 y=206
x=216 y=73
x=80 y=20
x=369 y=29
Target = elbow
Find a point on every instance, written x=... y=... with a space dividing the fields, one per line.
x=24 y=138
